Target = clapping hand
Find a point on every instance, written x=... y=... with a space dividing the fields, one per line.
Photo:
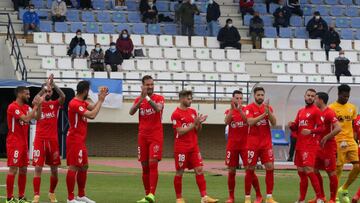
x=143 y=92
x=103 y=92
x=266 y=103
x=202 y=118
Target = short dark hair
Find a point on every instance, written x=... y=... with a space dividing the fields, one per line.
x=20 y=89
x=78 y=30
x=344 y=88
x=185 y=93
x=146 y=77
x=112 y=43
x=311 y=90
x=316 y=13
x=31 y=5
x=228 y=20
x=256 y=89
x=323 y=96
x=97 y=44
x=82 y=86
x=236 y=92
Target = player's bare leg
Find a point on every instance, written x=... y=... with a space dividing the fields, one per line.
x=343 y=192
x=81 y=182
x=178 y=186
x=200 y=181
x=36 y=184
x=269 y=179
x=10 y=179
x=231 y=184
x=53 y=183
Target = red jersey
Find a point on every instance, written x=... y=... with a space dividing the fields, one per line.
x=357 y=126
x=18 y=129
x=184 y=118
x=238 y=131
x=78 y=122
x=329 y=119
x=47 y=125
x=150 y=120
x=308 y=117
x=259 y=134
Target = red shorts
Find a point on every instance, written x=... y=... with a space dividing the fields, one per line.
x=149 y=149
x=265 y=155
x=17 y=156
x=76 y=155
x=325 y=161
x=305 y=158
x=46 y=151
x=188 y=160
x=232 y=157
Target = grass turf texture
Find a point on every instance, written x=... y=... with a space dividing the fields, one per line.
x=121 y=185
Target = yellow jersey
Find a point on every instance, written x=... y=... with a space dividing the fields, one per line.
x=345 y=114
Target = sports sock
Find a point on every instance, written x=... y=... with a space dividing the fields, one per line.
x=53 y=183
x=256 y=185
x=321 y=184
x=334 y=182
x=154 y=175
x=10 y=178
x=200 y=181
x=249 y=174
x=21 y=184
x=178 y=186
x=352 y=177
x=36 y=185
x=231 y=184
x=145 y=178
x=269 y=179
x=315 y=183
x=303 y=185
x=81 y=182
x=70 y=183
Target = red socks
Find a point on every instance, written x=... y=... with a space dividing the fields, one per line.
x=303 y=185
x=231 y=184
x=154 y=175
x=81 y=181
x=315 y=183
x=21 y=184
x=145 y=178
x=178 y=186
x=321 y=184
x=10 y=179
x=256 y=185
x=249 y=174
x=334 y=186
x=70 y=183
x=53 y=183
x=269 y=179
x=36 y=184
x=200 y=181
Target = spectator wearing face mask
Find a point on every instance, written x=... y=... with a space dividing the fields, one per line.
x=77 y=46
x=212 y=16
x=229 y=36
x=294 y=7
x=97 y=58
x=58 y=11
x=246 y=6
x=317 y=27
x=124 y=44
x=186 y=12
x=341 y=66
x=31 y=20
x=282 y=17
x=113 y=58
x=149 y=12
x=256 y=29
x=331 y=41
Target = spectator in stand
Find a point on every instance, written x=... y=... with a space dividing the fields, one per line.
x=186 y=13
x=268 y=2
x=331 y=41
x=317 y=27
x=58 y=11
x=77 y=46
x=229 y=36
x=85 y=4
x=149 y=12
x=31 y=20
x=294 y=7
x=176 y=9
x=341 y=66
x=256 y=29
x=97 y=58
x=18 y=3
x=281 y=17
x=246 y=6
x=212 y=16
x=293 y=139
x=113 y=59
x=124 y=44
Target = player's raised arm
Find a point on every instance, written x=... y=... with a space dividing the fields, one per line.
x=270 y=113
x=37 y=103
x=91 y=114
x=137 y=103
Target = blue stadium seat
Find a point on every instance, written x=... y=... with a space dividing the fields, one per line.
x=76 y=26
x=134 y=17
x=273 y=7
x=342 y=22
x=331 y=2
x=316 y=1
x=43 y=14
x=38 y=3
x=162 y=6
x=99 y=4
x=72 y=16
x=200 y=30
x=285 y=32
x=172 y=6
x=270 y=32
x=268 y=20
x=198 y=19
x=49 y=4
x=355 y=22
x=103 y=17
x=357 y=2
x=278 y=137
x=300 y=32
x=122 y=27
x=108 y=28
x=352 y=11
x=119 y=17
x=336 y=11
x=92 y=27
x=357 y=35
x=46 y=26
x=346 y=2
x=132 y=5
x=21 y=13
x=247 y=19
x=154 y=29
x=324 y=10
x=303 y=2
x=328 y=19
x=138 y=28
x=296 y=21
x=61 y=27
x=346 y=34
x=261 y=8
x=307 y=19
x=87 y=16
x=170 y=29
x=308 y=10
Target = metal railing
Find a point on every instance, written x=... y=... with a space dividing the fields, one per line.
x=15 y=48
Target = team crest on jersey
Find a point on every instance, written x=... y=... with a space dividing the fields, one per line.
x=193 y=116
x=307 y=115
x=322 y=118
x=305 y=155
x=51 y=106
x=56 y=155
x=156 y=148
x=15 y=160
x=17 y=112
x=81 y=108
x=80 y=160
x=181 y=164
x=247 y=112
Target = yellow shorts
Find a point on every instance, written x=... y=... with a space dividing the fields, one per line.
x=347 y=154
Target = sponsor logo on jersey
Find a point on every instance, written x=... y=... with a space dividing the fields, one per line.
x=17 y=112
x=239 y=124
x=147 y=112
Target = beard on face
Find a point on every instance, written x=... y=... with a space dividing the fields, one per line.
x=259 y=101
x=47 y=97
x=309 y=102
x=86 y=96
